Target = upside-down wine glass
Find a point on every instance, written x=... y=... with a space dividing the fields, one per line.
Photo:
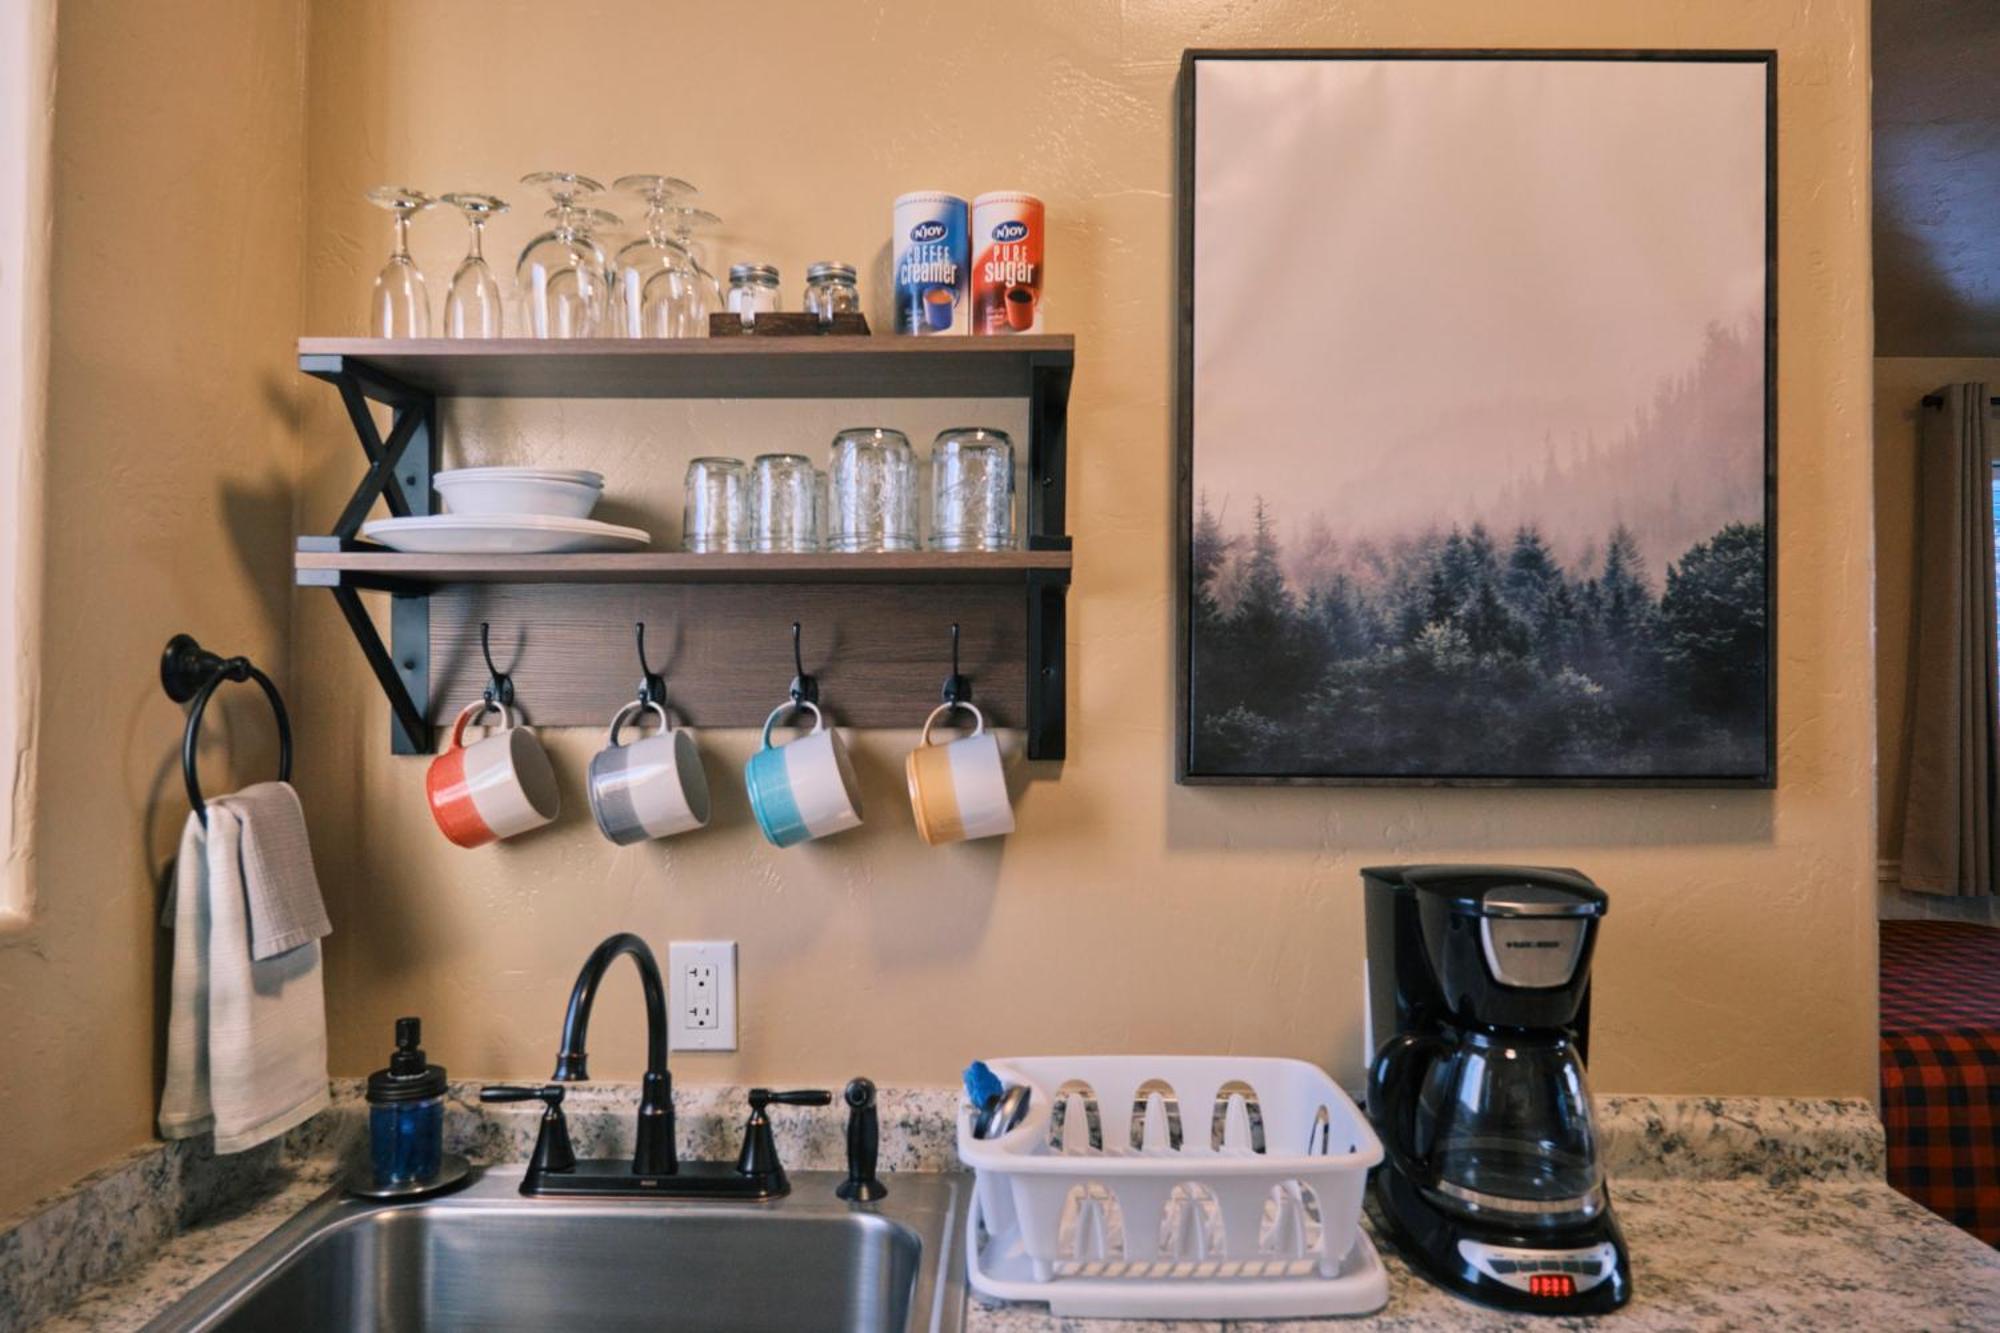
x=472 y=306
x=401 y=307
x=687 y=220
x=561 y=271
x=653 y=291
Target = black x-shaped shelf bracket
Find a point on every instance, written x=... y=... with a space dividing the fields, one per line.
x=400 y=468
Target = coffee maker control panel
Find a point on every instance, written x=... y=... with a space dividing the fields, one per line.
x=1549 y=1273
x=1532 y=952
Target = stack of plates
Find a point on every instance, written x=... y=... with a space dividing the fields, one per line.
x=509 y=511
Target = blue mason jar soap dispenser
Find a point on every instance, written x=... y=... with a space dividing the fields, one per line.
x=406 y=1113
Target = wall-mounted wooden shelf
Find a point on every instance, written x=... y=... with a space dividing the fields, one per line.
x=875 y=625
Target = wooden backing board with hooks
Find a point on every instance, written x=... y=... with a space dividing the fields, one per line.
x=880 y=652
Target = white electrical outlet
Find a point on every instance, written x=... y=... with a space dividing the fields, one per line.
x=701 y=1004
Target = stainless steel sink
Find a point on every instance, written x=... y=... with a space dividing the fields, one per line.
x=486 y=1258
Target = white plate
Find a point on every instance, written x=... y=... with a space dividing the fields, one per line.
x=497 y=534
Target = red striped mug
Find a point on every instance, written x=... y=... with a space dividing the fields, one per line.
x=496 y=787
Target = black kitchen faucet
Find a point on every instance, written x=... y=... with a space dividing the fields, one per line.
x=653 y=1171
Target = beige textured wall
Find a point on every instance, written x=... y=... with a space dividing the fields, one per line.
x=1900 y=384
x=1126 y=913
x=178 y=187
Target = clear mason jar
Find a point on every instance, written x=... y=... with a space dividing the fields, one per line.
x=784 y=503
x=831 y=290
x=872 y=483
x=972 y=490
x=715 y=511
x=753 y=290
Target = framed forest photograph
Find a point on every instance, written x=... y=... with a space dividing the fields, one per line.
x=1476 y=418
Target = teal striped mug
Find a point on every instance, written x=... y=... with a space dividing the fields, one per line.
x=805 y=788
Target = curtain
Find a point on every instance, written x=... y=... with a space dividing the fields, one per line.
x=1948 y=815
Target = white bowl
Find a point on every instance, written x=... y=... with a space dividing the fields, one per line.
x=517 y=490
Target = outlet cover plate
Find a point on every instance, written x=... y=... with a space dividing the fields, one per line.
x=701 y=995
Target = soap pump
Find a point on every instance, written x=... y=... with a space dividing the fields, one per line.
x=406 y=1123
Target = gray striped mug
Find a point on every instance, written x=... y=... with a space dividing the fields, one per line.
x=653 y=787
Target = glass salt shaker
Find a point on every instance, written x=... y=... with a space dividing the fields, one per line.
x=753 y=290
x=831 y=290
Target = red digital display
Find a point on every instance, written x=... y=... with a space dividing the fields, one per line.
x=1552 y=1284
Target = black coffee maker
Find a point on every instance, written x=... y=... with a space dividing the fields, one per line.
x=1478 y=993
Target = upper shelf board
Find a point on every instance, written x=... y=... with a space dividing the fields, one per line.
x=880 y=366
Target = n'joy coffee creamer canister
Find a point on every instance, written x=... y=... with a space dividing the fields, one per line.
x=1007 y=263
x=931 y=255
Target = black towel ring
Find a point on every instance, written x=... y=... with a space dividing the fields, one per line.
x=190 y=672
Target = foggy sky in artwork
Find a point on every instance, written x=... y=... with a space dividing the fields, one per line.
x=1420 y=282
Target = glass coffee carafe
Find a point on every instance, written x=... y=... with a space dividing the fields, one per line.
x=1501 y=1129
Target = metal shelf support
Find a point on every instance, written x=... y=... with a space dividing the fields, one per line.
x=400 y=472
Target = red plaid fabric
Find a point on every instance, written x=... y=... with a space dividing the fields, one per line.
x=1941 y=1068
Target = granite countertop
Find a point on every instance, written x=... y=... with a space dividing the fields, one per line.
x=1739 y=1214
x=1734 y=1254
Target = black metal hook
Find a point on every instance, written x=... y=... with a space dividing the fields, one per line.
x=805 y=688
x=190 y=672
x=957 y=686
x=499 y=685
x=652 y=685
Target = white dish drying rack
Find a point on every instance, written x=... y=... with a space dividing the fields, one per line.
x=1145 y=1187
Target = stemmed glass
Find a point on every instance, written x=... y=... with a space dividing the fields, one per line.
x=472 y=306
x=687 y=220
x=401 y=306
x=591 y=225
x=561 y=272
x=654 y=293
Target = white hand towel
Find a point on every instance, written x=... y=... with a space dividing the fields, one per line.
x=246 y=1041
x=285 y=905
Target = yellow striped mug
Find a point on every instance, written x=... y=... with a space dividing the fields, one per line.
x=958 y=789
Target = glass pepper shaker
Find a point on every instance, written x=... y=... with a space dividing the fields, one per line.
x=831 y=289
x=406 y=1112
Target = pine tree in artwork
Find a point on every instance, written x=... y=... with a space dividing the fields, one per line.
x=1490 y=626
x=1210 y=549
x=1712 y=621
x=1531 y=571
x=1264 y=626
x=1265 y=607
x=1623 y=587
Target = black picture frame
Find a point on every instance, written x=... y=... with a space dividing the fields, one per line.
x=1187 y=772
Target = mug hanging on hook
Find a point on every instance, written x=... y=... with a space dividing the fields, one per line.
x=652 y=786
x=805 y=788
x=958 y=788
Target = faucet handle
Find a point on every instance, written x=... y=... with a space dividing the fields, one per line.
x=550 y=1094
x=552 y=1146
x=759 y=1157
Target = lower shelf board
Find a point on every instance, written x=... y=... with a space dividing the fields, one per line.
x=397 y=570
